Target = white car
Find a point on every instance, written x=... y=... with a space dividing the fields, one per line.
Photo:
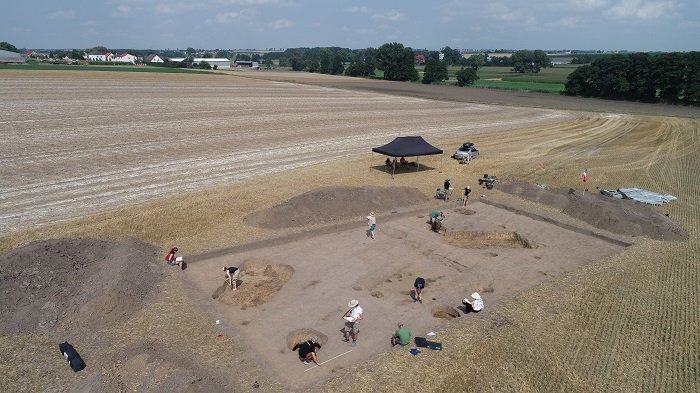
x=466 y=150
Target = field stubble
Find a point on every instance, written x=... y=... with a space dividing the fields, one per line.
x=626 y=323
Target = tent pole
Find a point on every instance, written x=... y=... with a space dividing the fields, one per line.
x=393 y=167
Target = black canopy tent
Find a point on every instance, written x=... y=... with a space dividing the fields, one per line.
x=407 y=146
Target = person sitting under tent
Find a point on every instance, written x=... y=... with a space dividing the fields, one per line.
x=387 y=162
x=404 y=162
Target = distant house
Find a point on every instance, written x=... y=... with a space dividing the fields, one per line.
x=154 y=58
x=420 y=59
x=125 y=58
x=95 y=56
x=11 y=57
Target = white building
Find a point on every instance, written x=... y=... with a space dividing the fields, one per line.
x=220 y=63
x=97 y=56
x=125 y=58
x=154 y=58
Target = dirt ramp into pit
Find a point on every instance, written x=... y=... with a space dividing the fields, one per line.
x=77 y=282
x=148 y=367
x=258 y=282
x=330 y=204
x=619 y=216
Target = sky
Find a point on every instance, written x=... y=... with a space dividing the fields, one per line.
x=633 y=25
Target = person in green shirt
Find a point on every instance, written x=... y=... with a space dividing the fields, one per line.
x=435 y=217
x=401 y=336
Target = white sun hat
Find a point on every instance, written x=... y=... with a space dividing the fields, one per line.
x=353 y=303
x=476 y=295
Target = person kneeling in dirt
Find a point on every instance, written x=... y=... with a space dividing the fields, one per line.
x=475 y=305
x=172 y=259
x=401 y=336
x=232 y=274
x=435 y=220
x=307 y=350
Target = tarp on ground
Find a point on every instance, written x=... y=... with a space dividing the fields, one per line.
x=646 y=196
x=407 y=146
x=640 y=195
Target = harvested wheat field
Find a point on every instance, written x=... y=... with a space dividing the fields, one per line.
x=582 y=293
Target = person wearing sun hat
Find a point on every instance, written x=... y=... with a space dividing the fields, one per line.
x=352 y=321
x=475 y=305
x=371 y=224
x=467 y=191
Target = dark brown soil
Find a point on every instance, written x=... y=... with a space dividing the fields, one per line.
x=619 y=216
x=330 y=204
x=77 y=282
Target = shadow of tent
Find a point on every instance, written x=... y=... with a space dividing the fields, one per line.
x=403 y=170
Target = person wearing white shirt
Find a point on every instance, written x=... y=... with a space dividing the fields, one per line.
x=475 y=305
x=352 y=321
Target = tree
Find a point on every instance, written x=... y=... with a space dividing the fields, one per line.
x=98 y=49
x=255 y=57
x=435 y=71
x=396 y=62
x=296 y=63
x=578 y=82
x=466 y=77
x=313 y=66
x=190 y=51
x=337 y=66
x=76 y=55
x=325 y=62
x=451 y=56
x=529 y=61
x=242 y=57
x=8 y=47
x=476 y=61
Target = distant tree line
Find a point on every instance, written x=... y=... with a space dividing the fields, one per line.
x=672 y=78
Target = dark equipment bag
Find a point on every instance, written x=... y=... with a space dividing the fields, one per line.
x=74 y=360
x=423 y=343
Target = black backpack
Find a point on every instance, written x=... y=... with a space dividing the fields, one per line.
x=74 y=360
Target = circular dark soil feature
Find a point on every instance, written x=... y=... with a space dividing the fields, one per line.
x=331 y=204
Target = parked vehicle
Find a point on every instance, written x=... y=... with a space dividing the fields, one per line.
x=467 y=149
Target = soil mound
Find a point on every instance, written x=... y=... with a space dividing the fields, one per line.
x=620 y=216
x=83 y=282
x=258 y=282
x=330 y=204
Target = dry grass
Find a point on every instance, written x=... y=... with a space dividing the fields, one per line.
x=625 y=323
